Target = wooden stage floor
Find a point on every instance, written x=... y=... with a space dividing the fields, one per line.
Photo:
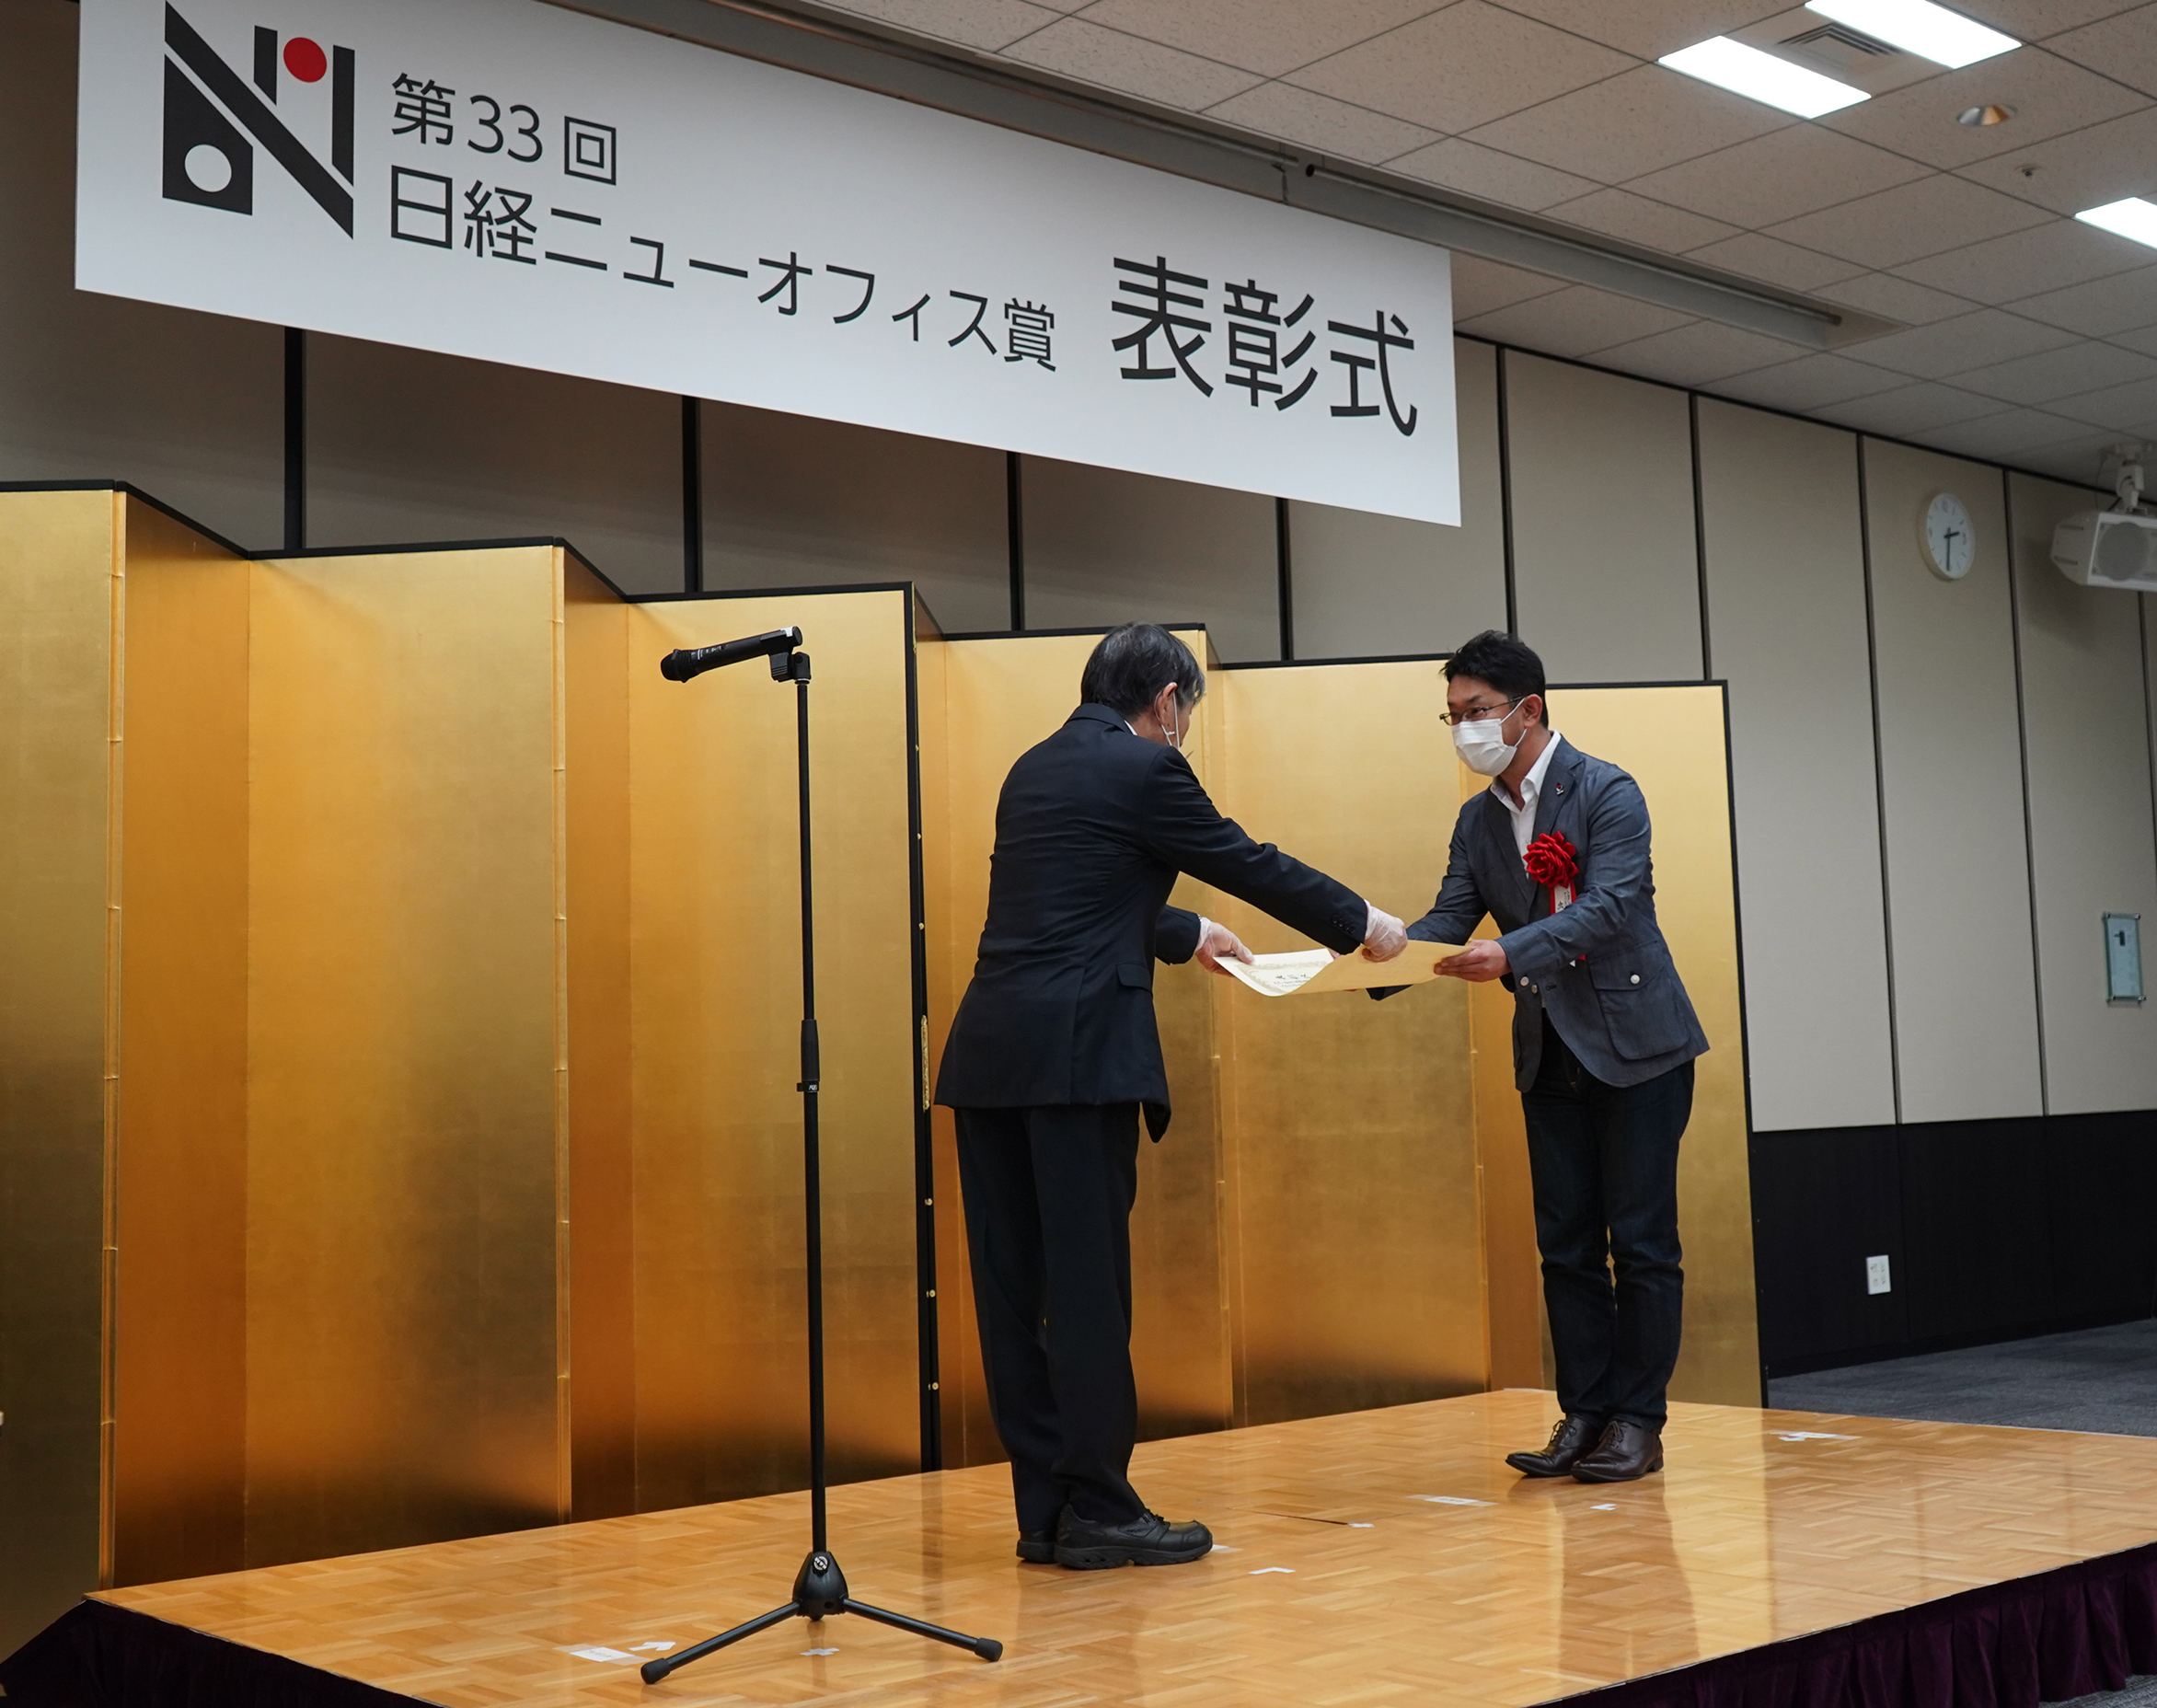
x=1382 y=1557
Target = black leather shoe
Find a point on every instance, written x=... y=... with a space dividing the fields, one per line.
x=1037 y=1547
x=1570 y=1441
x=1085 y=1546
x=1626 y=1452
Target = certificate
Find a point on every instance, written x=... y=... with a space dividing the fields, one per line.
x=1314 y=969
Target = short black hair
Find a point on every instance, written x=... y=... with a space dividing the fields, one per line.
x=1133 y=663
x=1507 y=662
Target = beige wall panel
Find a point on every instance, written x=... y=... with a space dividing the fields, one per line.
x=1000 y=698
x=404 y=1039
x=794 y=501
x=59 y=589
x=720 y=1361
x=408 y=445
x=189 y=407
x=1104 y=547
x=1958 y=895
x=1786 y=606
x=2091 y=850
x=1670 y=740
x=1349 y=1125
x=179 y=1172
x=1606 y=572
x=1368 y=585
x=601 y=1174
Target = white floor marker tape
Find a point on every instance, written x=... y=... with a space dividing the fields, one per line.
x=1449 y=1500
x=1286 y=1571
x=1608 y=1505
x=638 y=1648
x=1813 y=1435
x=820 y=1651
x=599 y=1652
x=1354 y=1526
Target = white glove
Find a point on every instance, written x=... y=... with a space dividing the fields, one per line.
x=1384 y=936
x=1216 y=943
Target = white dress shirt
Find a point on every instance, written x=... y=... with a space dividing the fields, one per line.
x=1531 y=789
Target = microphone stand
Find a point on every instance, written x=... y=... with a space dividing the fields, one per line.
x=820 y=1587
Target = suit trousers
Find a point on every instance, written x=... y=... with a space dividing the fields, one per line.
x=1603 y=1160
x=1048 y=1195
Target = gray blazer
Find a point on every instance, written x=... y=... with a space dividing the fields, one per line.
x=1599 y=968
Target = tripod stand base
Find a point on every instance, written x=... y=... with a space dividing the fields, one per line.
x=820 y=1591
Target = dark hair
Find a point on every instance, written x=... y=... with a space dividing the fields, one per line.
x=1505 y=661
x=1135 y=662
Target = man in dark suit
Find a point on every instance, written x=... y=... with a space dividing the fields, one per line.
x=1604 y=1038
x=1054 y=1053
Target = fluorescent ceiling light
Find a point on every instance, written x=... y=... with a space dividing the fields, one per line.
x=1747 y=71
x=2131 y=218
x=1918 y=27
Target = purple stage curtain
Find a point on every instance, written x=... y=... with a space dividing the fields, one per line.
x=2044 y=1639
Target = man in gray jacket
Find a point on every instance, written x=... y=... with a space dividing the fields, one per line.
x=1604 y=1037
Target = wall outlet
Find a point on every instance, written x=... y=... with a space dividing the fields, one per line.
x=1877 y=1279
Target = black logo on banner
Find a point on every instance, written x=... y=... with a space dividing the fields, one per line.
x=210 y=116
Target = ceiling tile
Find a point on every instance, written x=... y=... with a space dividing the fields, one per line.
x=2102 y=306
x=1941 y=212
x=1319 y=121
x=1633 y=123
x=1572 y=321
x=2124 y=47
x=1772 y=261
x=2143 y=339
x=2048 y=97
x=1778 y=177
x=2043 y=258
x=1914 y=409
x=1809 y=383
x=2036 y=20
x=2123 y=407
x=1892 y=298
x=976 y=23
x=2085 y=168
x=2005 y=438
x=1475 y=170
x=1462 y=67
x=1268 y=35
x=1479 y=286
x=2061 y=372
x=1649 y=28
x=1108 y=57
x=1697 y=355
x=1952 y=346
x=1635 y=219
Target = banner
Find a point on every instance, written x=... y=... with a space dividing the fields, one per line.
x=508 y=180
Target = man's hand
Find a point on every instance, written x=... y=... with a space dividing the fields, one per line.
x=1383 y=935
x=1478 y=963
x=1215 y=943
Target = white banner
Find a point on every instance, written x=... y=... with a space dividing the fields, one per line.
x=504 y=180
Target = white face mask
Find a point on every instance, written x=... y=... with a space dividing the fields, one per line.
x=1482 y=746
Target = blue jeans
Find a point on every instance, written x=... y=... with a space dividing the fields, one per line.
x=1603 y=1162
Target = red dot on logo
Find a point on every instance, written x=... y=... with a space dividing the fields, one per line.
x=304 y=59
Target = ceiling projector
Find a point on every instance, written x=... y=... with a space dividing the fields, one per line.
x=2107 y=548
x=2115 y=548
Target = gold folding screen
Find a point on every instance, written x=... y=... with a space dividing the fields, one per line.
x=398 y=1046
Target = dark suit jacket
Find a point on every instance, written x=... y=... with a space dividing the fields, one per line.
x=1092 y=828
x=1600 y=968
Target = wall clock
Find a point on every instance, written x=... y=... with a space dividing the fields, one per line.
x=1950 y=543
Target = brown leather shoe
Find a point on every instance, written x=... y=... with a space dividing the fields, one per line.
x=1570 y=1441
x=1625 y=1453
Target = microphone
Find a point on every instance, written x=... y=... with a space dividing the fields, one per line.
x=687 y=662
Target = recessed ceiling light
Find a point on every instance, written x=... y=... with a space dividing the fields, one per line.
x=1984 y=115
x=2131 y=218
x=1761 y=77
x=1918 y=27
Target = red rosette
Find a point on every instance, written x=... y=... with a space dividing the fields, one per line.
x=1552 y=860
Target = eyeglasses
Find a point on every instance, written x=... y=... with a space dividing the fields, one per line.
x=1477 y=714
